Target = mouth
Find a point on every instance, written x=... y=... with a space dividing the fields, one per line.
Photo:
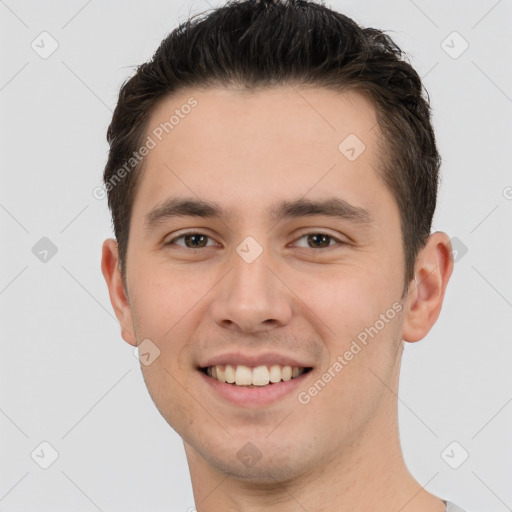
x=253 y=376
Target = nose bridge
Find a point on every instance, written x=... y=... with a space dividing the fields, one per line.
x=250 y=276
x=251 y=296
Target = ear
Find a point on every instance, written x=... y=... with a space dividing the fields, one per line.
x=434 y=266
x=118 y=297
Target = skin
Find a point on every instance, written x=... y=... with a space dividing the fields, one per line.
x=248 y=151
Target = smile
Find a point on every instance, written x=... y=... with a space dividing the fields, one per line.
x=251 y=395
x=263 y=375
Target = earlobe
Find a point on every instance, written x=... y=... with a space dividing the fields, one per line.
x=118 y=298
x=434 y=266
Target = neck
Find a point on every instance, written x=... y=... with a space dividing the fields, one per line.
x=369 y=474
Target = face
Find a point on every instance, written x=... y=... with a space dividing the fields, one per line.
x=293 y=258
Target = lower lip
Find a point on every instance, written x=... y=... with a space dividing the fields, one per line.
x=257 y=396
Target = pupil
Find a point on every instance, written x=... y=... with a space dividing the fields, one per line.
x=195 y=237
x=324 y=240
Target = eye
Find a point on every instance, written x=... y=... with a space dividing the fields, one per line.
x=319 y=240
x=313 y=240
x=191 y=240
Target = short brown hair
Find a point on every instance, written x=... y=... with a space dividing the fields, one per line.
x=262 y=43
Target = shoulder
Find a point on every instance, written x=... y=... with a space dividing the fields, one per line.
x=451 y=507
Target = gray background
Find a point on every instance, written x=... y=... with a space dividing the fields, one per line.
x=66 y=375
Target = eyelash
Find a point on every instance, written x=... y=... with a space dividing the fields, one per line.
x=190 y=233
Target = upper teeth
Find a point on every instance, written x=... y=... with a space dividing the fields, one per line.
x=258 y=376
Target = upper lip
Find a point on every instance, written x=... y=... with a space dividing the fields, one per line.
x=264 y=359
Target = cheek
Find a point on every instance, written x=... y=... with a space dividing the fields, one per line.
x=163 y=312
x=167 y=393
x=362 y=353
x=349 y=296
x=358 y=317
x=163 y=300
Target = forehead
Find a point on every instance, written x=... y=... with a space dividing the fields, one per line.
x=265 y=143
x=221 y=115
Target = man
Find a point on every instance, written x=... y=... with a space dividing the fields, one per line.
x=272 y=178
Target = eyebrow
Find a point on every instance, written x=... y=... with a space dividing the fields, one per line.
x=191 y=207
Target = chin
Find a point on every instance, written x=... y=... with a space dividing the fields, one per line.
x=256 y=462
x=264 y=472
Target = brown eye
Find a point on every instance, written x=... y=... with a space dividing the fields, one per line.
x=319 y=241
x=191 y=241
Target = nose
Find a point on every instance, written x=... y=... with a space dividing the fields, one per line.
x=252 y=298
